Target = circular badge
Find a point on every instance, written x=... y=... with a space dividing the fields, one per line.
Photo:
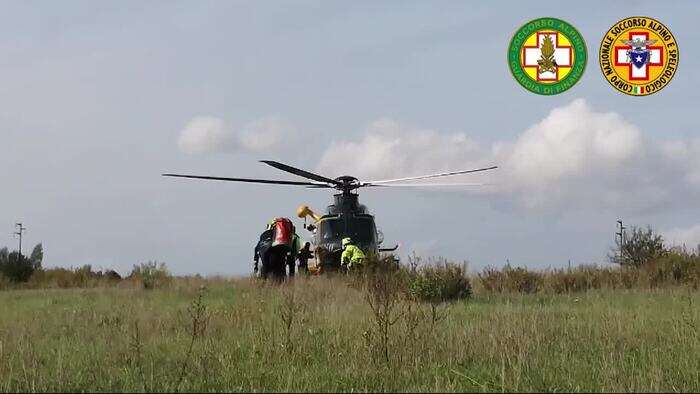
x=638 y=56
x=547 y=56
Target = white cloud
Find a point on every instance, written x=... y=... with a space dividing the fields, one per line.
x=575 y=156
x=573 y=152
x=388 y=149
x=203 y=134
x=686 y=156
x=570 y=141
x=688 y=237
x=265 y=135
x=207 y=134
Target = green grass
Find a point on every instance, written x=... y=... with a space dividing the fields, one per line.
x=319 y=335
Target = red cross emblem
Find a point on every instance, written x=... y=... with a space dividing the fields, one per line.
x=562 y=54
x=656 y=57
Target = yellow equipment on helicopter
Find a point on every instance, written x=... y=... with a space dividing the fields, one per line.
x=303 y=211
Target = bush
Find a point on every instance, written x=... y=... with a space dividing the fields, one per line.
x=151 y=274
x=16 y=267
x=674 y=267
x=54 y=277
x=373 y=268
x=70 y=278
x=510 y=280
x=587 y=277
x=434 y=282
x=577 y=279
x=440 y=282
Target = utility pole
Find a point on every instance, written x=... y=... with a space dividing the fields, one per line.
x=20 y=229
x=621 y=234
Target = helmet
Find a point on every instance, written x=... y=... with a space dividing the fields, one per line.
x=346 y=242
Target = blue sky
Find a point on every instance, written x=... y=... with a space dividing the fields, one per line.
x=96 y=97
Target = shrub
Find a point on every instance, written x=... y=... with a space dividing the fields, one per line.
x=674 y=267
x=439 y=282
x=434 y=282
x=54 y=277
x=68 y=278
x=383 y=284
x=510 y=280
x=112 y=275
x=374 y=267
x=573 y=280
x=84 y=274
x=587 y=277
x=16 y=267
x=151 y=274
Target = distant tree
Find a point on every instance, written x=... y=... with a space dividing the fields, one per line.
x=639 y=248
x=112 y=275
x=37 y=257
x=17 y=267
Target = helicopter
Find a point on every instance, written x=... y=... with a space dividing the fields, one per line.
x=345 y=217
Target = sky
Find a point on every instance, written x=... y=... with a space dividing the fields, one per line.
x=97 y=99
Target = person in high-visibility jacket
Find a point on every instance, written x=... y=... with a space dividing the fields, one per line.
x=352 y=255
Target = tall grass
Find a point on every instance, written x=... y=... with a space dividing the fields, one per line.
x=148 y=275
x=312 y=335
x=388 y=328
x=672 y=269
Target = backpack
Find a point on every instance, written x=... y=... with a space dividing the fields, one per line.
x=283 y=232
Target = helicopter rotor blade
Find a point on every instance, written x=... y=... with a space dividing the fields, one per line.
x=320 y=186
x=413 y=178
x=248 y=180
x=299 y=172
x=431 y=184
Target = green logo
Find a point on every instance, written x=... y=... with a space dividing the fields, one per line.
x=547 y=56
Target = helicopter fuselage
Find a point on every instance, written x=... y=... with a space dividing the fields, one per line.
x=346 y=218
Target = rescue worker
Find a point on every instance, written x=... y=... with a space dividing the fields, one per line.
x=261 y=247
x=352 y=256
x=296 y=247
x=304 y=255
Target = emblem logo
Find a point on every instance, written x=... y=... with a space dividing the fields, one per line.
x=638 y=56
x=547 y=56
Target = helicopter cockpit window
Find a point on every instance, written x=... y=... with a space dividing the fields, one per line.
x=331 y=229
x=361 y=230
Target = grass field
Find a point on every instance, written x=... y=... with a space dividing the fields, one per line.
x=320 y=334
